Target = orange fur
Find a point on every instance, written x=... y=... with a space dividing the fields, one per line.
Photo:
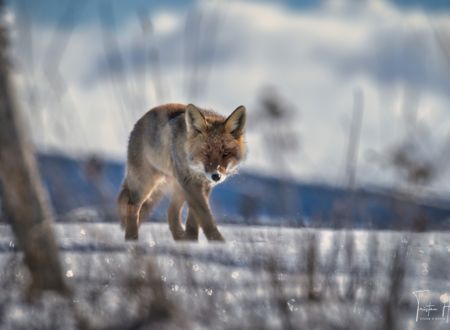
x=189 y=148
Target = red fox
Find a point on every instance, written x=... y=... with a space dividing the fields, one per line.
x=188 y=149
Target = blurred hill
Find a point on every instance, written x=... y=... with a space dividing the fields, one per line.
x=75 y=185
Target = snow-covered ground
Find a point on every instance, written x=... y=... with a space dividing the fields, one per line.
x=263 y=277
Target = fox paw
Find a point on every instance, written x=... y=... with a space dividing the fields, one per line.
x=214 y=235
x=178 y=234
x=131 y=235
x=191 y=235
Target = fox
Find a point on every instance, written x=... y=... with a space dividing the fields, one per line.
x=188 y=150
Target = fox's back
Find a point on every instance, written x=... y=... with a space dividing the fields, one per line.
x=159 y=134
x=152 y=136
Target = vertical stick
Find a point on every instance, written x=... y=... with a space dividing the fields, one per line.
x=23 y=192
x=353 y=141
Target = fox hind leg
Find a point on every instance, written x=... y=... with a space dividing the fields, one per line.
x=150 y=203
x=135 y=191
x=122 y=202
x=128 y=205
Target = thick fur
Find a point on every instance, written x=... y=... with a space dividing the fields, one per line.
x=188 y=150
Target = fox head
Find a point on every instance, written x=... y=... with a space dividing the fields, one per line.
x=215 y=144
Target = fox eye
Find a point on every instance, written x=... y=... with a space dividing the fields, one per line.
x=226 y=153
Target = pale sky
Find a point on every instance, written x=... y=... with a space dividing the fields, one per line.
x=85 y=73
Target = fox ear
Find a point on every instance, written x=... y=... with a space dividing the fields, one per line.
x=195 y=121
x=235 y=123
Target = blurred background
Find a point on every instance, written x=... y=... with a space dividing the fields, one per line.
x=348 y=101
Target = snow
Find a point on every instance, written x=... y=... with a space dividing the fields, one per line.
x=262 y=277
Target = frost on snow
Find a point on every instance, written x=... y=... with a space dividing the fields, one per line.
x=268 y=277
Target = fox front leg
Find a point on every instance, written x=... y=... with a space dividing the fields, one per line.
x=199 y=209
x=191 y=233
x=174 y=214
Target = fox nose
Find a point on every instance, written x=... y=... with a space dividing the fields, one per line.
x=215 y=176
